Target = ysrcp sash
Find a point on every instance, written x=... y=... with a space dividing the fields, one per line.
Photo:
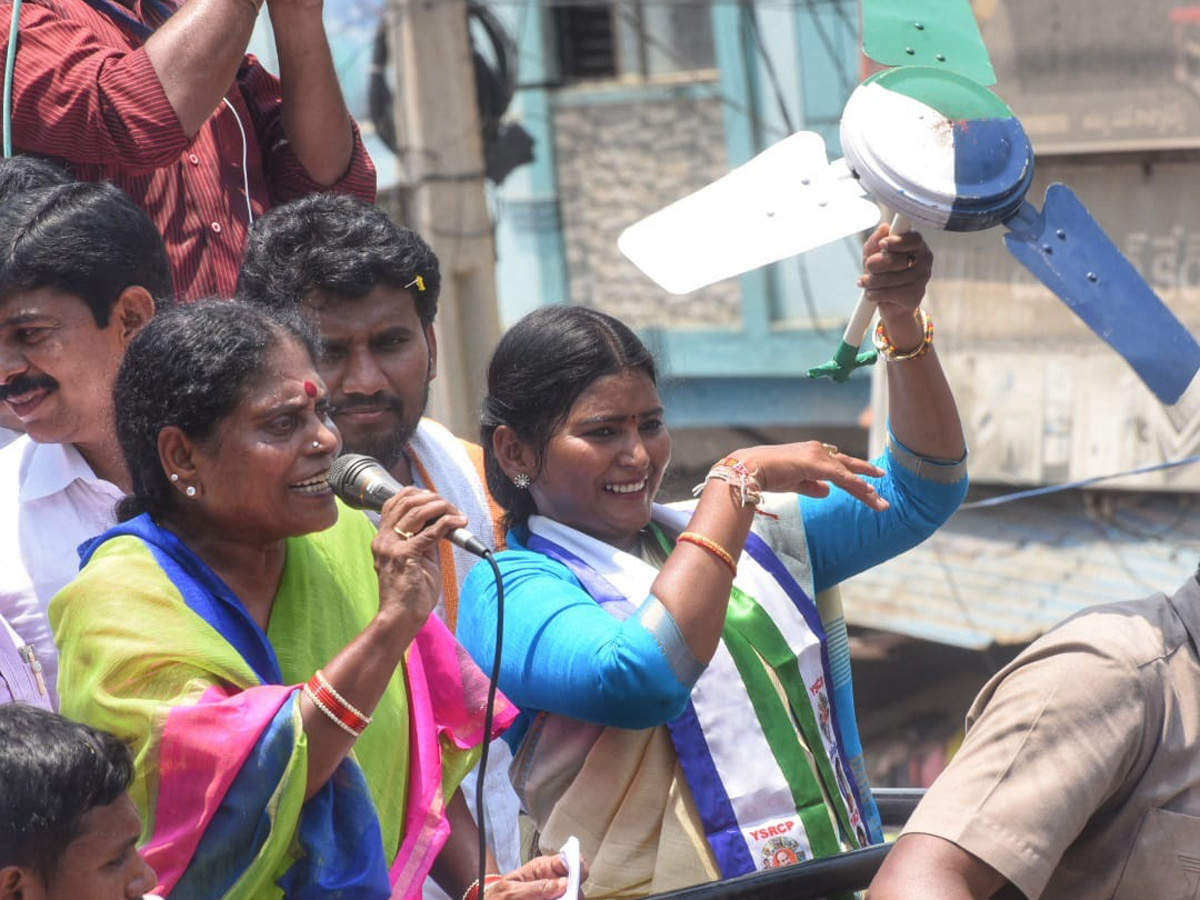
x=758 y=743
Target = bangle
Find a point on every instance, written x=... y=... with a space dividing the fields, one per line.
x=690 y=537
x=320 y=678
x=884 y=344
x=322 y=695
x=329 y=713
x=473 y=892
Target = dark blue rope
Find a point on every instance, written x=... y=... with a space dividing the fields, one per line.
x=1056 y=488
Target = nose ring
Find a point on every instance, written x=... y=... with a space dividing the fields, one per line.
x=316 y=444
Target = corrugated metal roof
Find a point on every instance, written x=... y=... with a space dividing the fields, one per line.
x=1005 y=574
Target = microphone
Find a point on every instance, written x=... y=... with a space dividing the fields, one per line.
x=364 y=483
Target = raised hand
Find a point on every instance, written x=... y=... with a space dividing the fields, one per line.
x=896 y=270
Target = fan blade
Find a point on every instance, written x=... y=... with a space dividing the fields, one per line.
x=920 y=33
x=1069 y=252
x=784 y=201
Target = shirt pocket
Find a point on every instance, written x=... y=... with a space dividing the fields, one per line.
x=1165 y=860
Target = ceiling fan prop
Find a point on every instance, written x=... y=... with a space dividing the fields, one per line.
x=927 y=141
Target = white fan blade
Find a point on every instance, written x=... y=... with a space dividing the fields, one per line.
x=786 y=200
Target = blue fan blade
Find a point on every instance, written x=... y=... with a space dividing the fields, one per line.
x=1069 y=252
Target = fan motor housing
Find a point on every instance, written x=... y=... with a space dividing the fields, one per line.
x=938 y=147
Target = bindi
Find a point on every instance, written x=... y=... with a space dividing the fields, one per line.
x=310 y=388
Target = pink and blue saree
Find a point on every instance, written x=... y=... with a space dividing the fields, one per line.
x=157 y=649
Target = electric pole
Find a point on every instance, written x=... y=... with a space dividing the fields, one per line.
x=441 y=151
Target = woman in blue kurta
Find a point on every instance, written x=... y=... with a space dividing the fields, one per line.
x=687 y=709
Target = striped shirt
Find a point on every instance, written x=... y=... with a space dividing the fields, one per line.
x=86 y=95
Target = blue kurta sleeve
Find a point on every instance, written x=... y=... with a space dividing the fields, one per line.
x=564 y=654
x=846 y=537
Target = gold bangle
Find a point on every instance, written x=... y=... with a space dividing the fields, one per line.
x=888 y=350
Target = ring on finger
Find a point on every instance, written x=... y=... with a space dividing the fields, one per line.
x=407 y=535
x=911 y=259
x=831 y=449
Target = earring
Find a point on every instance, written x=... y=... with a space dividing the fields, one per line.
x=174 y=477
x=191 y=491
x=521 y=481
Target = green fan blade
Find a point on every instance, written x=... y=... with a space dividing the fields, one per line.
x=941 y=33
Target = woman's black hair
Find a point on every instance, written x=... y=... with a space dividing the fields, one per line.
x=189 y=367
x=539 y=369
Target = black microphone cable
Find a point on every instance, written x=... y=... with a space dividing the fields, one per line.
x=487 y=721
x=362 y=482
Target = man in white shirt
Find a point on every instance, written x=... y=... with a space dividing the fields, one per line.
x=370 y=287
x=17 y=175
x=82 y=269
x=21 y=678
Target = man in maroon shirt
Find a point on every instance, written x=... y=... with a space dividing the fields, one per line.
x=162 y=101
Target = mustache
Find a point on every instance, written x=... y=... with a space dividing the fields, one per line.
x=368 y=403
x=24 y=383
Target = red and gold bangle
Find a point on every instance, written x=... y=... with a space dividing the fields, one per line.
x=335 y=707
x=342 y=701
x=690 y=537
x=329 y=713
x=884 y=344
x=473 y=892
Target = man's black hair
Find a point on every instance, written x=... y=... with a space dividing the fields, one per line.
x=19 y=174
x=52 y=773
x=330 y=246
x=84 y=238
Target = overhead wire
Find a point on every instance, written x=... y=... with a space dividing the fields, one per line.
x=1083 y=482
x=1101 y=527
x=847 y=84
x=750 y=18
x=730 y=102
